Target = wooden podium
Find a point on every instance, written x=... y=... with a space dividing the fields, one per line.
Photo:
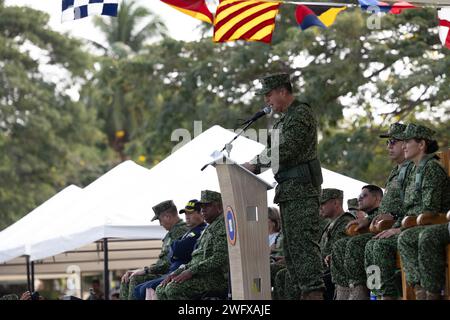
x=244 y=197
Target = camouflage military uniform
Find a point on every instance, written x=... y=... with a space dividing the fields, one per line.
x=282 y=289
x=347 y=258
x=432 y=247
x=297 y=195
x=209 y=266
x=280 y=278
x=352 y=270
x=161 y=266
x=334 y=231
x=383 y=252
x=430 y=198
x=323 y=223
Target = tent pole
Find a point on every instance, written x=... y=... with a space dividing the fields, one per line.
x=105 y=268
x=81 y=284
x=27 y=261
x=32 y=276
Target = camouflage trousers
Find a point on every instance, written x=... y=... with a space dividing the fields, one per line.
x=382 y=253
x=283 y=288
x=274 y=269
x=127 y=289
x=301 y=232
x=423 y=256
x=193 y=288
x=408 y=247
x=347 y=260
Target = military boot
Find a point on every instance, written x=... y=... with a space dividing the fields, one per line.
x=433 y=296
x=342 y=293
x=359 y=293
x=420 y=292
x=312 y=295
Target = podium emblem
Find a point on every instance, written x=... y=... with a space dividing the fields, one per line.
x=231 y=225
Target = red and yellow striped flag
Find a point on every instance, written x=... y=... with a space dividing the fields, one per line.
x=251 y=20
x=194 y=8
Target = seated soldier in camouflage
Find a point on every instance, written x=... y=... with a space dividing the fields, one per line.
x=381 y=250
x=167 y=214
x=426 y=191
x=347 y=256
x=432 y=259
x=331 y=208
x=208 y=269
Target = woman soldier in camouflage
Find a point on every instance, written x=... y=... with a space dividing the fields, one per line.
x=425 y=192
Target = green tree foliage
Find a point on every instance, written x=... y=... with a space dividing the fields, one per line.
x=115 y=102
x=47 y=141
x=145 y=90
x=400 y=67
x=127 y=29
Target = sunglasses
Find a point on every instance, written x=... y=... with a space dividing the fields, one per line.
x=391 y=142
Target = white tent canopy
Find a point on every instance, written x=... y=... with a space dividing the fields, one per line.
x=118 y=204
x=14 y=239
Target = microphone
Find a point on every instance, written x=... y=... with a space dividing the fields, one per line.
x=259 y=114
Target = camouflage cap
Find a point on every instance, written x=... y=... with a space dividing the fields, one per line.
x=273 y=81
x=210 y=196
x=192 y=205
x=161 y=207
x=395 y=130
x=417 y=131
x=330 y=193
x=352 y=204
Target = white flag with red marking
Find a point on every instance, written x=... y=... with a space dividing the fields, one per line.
x=444 y=26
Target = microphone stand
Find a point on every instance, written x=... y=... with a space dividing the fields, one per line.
x=229 y=145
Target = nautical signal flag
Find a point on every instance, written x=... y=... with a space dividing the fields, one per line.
x=327 y=14
x=307 y=18
x=320 y=16
x=250 y=20
x=77 y=9
x=195 y=8
x=394 y=8
x=444 y=26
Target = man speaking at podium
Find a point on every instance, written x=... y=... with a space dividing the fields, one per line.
x=292 y=155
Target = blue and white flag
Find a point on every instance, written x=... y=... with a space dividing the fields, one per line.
x=77 y=9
